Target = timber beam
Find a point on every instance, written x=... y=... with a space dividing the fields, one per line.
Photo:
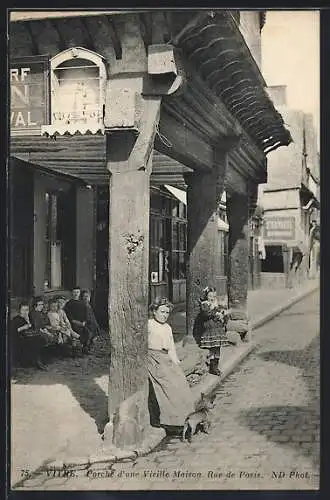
x=131 y=119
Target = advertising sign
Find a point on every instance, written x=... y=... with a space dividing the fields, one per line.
x=29 y=94
x=279 y=228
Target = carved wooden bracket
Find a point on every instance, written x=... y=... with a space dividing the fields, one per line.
x=165 y=71
x=129 y=149
x=230 y=142
x=122 y=108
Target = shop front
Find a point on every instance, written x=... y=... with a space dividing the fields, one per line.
x=167 y=246
x=46 y=236
x=286 y=251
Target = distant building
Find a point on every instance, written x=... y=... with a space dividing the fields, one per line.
x=291 y=202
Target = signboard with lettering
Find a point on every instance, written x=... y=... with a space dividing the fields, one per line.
x=279 y=228
x=29 y=94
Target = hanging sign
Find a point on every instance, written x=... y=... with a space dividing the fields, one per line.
x=279 y=228
x=29 y=94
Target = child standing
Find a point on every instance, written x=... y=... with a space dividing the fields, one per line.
x=212 y=321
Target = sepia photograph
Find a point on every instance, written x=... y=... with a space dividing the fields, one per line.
x=163 y=180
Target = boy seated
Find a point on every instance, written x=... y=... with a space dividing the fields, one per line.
x=77 y=313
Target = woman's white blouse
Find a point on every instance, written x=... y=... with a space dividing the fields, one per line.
x=160 y=337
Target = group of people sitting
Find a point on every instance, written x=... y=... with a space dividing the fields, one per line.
x=70 y=325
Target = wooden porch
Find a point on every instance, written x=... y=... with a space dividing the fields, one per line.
x=207 y=115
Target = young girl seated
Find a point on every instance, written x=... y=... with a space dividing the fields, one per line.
x=212 y=321
x=60 y=323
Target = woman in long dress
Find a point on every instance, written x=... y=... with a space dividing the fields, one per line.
x=168 y=384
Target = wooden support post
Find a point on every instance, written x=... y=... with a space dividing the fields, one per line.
x=238 y=250
x=253 y=267
x=132 y=111
x=129 y=162
x=203 y=197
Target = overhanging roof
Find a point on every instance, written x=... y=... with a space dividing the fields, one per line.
x=33 y=15
x=59 y=173
x=84 y=157
x=214 y=45
x=262 y=15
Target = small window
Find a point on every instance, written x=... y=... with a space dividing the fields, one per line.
x=179 y=248
x=159 y=254
x=78 y=88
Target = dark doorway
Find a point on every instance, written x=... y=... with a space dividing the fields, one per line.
x=102 y=253
x=273 y=263
x=21 y=222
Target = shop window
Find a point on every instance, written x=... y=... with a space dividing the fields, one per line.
x=159 y=252
x=54 y=242
x=179 y=209
x=179 y=249
x=273 y=263
x=160 y=204
x=168 y=239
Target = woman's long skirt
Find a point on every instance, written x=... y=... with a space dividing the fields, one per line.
x=171 y=389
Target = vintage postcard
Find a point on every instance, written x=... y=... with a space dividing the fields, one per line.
x=164 y=242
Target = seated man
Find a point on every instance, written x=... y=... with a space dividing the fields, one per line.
x=92 y=323
x=77 y=313
x=27 y=344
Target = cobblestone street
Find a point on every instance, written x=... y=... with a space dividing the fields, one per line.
x=265 y=427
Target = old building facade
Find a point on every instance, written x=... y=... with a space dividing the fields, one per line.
x=115 y=115
x=291 y=202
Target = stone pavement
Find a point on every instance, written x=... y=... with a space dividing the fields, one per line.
x=265 y=428
x=260 y=302
x=66 y=401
